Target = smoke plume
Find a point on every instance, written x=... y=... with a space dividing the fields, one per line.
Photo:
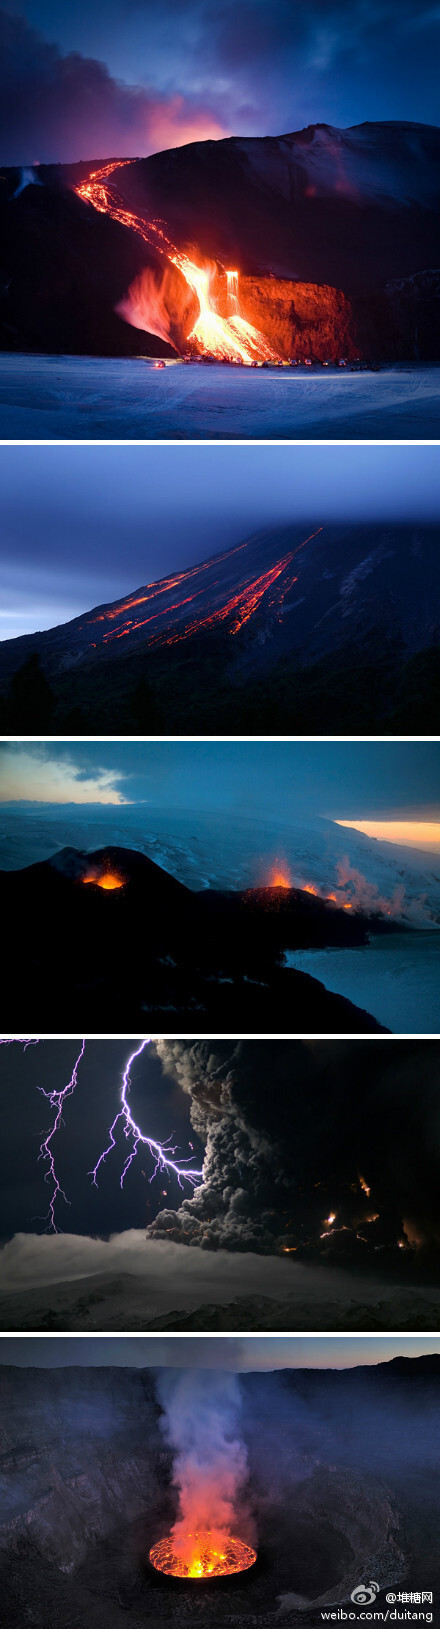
x=164 y=308
x=354 y=888
x=201 y=1423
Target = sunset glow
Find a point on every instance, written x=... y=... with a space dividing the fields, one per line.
x=423 y=834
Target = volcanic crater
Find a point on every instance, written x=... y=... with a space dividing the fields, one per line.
x=337 y=1495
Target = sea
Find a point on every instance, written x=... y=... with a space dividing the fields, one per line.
x=396 y=979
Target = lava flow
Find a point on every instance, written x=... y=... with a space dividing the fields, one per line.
x=230 y=338
x=202 y=1554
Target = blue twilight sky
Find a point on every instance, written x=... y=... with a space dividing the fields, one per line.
x=129 y=77
x=84 y=524
x=275 y=780
x=248 y=1352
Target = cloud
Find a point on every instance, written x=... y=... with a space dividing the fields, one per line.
x=213 y=70
x=61 y=108
x=126 y=1283
x=167 y=1276
x=31 y=773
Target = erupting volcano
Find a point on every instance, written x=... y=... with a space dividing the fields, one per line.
x=202 y=1554
x=230 y=338
x=105 y=879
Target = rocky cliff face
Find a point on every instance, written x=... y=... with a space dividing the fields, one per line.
x=80 y=1453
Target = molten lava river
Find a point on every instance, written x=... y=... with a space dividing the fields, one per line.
x=202 y=1554
x=231 y=338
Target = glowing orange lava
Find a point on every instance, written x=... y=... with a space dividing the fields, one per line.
x=203 y=1554
x=107 y=879
x=231 y=338
x=268 y=591
x=279 y=878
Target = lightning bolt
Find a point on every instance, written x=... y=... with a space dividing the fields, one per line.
x=161 y=1153
x=57 y=1101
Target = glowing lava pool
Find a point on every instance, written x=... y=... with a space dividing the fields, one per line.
x=207 y=1555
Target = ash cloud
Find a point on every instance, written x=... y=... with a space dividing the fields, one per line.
x=309 y=1145
x=57 y=108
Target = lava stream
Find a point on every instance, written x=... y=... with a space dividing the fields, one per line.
x=230 y=338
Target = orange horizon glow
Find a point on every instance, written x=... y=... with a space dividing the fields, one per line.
x=423 y=834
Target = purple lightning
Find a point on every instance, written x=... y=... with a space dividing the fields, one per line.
x=56 y=1100
x=18 y=1040
x=161 y=1152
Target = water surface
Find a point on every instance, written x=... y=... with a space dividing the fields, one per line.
x=396 y=979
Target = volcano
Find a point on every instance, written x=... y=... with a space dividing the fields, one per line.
x=107 y=957
x=278 y=623
x=332 y=234
x=344 y=1489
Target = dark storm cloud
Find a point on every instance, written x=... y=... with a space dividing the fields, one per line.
x=291 y=1132
x=131 y=79
x=58 y=107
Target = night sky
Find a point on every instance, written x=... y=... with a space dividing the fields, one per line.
x=278 y=780
x=130 y=77
x=157 y=1102
x=87 y=524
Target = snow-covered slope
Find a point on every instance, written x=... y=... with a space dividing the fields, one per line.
x=216 y=851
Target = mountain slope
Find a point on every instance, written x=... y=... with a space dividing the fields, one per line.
x=319 y=205
x=334 y=233
x=302 y=591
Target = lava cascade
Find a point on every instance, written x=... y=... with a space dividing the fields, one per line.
x=231 y=338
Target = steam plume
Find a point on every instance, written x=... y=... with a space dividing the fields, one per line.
x=201 y=1423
